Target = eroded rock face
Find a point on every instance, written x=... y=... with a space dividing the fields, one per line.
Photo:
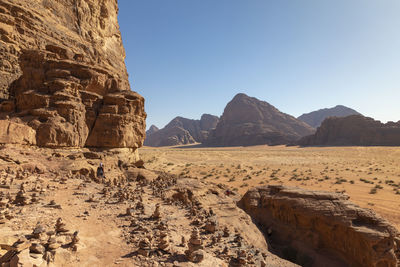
x=355 y=130
x=315 y=228
x=64 y=77
x=248 y=121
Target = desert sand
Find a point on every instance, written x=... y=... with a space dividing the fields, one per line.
x=369 y=175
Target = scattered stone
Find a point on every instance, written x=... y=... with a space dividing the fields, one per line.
x=75 y=241
x=92 y=199
x=35 y=198
x=37 y=248
x=226 y=232
x=53 y=204
x=183 y=241
x=156 y=215
x=130 y=211
x=22 y=198
x=39 y=231
x=144 y=247
x=163 y=241
x=60 y=226
x=211 y=225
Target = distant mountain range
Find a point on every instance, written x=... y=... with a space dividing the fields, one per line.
x=246 y=121
x=315 y=118
x=181 y=131
x=249 y=121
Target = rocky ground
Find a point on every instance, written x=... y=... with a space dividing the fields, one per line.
x=54 y=211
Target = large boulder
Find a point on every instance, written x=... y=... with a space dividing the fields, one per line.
x=16 y=133
x=63 y=74
x=316 y=228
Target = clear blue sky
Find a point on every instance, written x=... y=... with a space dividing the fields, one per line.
x=188 y=57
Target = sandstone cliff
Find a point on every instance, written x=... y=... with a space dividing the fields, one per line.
x=354 y=130
x=63 y=80
x=248 y=121
x=315 y=228
x=182 y=131
x=315 y=118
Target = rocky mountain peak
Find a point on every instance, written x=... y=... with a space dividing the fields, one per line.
x=249 y=121
x=152 y=130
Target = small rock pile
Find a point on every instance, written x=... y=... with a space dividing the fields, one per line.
x=144 y=247
x=156 y=215
x=22 y=197
x=40 y=246
x=195 y=253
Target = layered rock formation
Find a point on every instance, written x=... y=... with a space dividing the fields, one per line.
x=354 y=130
x=315 y=118
x=316 y=228
x=182 y=131
x=248 y=121
x=63 y=81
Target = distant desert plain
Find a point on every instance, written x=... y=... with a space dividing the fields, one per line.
x=369 y=175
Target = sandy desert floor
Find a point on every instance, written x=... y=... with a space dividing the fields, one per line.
x=369 y=175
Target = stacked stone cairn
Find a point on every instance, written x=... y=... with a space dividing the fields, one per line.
x=195 y=249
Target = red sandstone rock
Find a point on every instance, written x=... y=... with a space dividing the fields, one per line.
x=16 y=133
x=63 y=75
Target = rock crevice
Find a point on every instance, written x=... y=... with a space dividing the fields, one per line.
x=315 y=228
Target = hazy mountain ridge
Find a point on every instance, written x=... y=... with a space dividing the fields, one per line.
x=182 y=131
x=315 y=118
x=152 y=130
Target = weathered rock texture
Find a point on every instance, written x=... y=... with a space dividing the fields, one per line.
x=315 y=118
x=182 y=131
x=354 y=130
x=63 y=78
x=316 y=228
x=248 y=121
